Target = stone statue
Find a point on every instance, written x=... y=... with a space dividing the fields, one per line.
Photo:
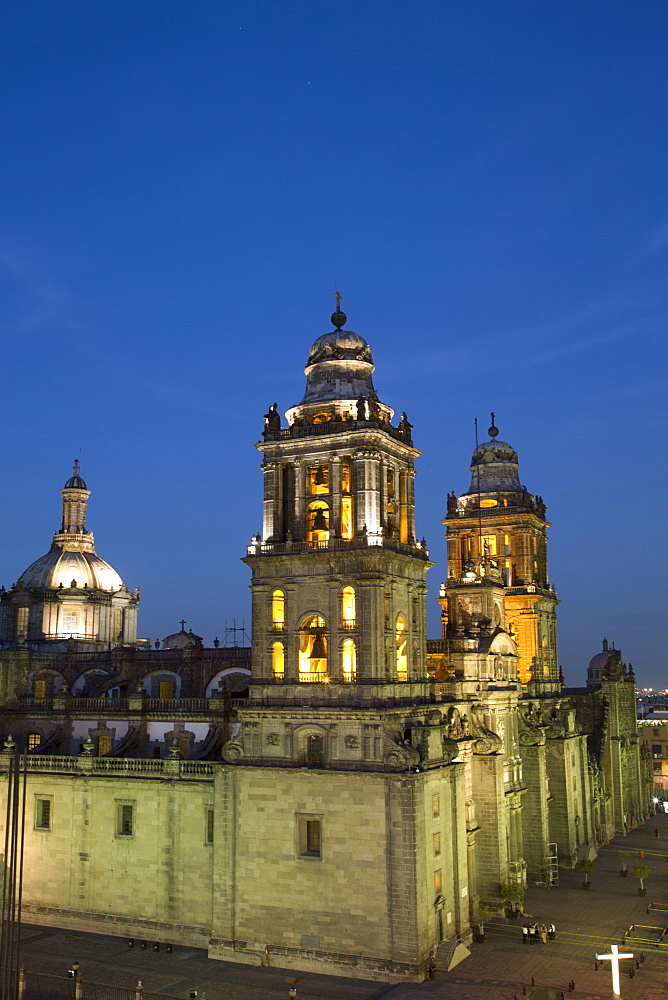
x=452 y=502
x=405 y=427
x=361 y=408
x=374 y=408
x=272 y=419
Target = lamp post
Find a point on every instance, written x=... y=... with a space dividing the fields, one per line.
x=614 y=960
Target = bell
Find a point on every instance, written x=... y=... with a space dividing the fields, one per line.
x=320 y=479
x=318 y=652
x=320 y=521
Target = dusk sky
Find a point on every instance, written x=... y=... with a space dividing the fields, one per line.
x=184 y=181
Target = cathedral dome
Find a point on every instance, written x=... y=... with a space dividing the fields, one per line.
x=60 y=568
x=495 y=466
x=75 y=482
x=340 y=345
x=339 y=366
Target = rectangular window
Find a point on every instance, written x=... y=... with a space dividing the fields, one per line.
x=209 y=827
x=309 y=837
x=21 y=621
x=42 y=814
x=437 y=844
x=124 y=819
x=34 y=740
x=438 y=881
x=436 y=805
x=165 y=689
x=40 y=689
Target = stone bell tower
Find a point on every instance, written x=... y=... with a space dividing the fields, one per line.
x=498 y=519
x=338 y=574
x=345 y=795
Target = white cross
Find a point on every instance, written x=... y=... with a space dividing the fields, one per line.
x=614 y=959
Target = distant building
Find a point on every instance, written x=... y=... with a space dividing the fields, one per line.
x=353 y=810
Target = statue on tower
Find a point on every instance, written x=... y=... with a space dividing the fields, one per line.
x=272 y=419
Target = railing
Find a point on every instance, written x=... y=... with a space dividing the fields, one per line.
x=361 y=542
x=334 y=427
x=313 y=678
x=117 y=765
x=349 y=623
x=177 y=705
x=278 y=626
x=104 y=706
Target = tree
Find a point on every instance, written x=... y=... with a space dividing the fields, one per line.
x=484 y=913
x=513 y=893
x=587 y=867
x=641 y=872
x=625 y=857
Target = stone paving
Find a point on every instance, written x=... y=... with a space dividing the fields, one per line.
x=499 y=969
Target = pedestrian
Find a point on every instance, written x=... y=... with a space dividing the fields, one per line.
x=543 y=933
x=552 y=932
x=535 y=933
x=532 y=934
x=525 y=933
x=656 y=831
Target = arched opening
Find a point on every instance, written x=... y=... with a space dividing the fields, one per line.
x=312 y=750
x=349 y=660
x=317 y=520
x=348 y=609
x=401 y=649
x=347 y=529
x=278 y=661
x=313 y=649
x=278 y=611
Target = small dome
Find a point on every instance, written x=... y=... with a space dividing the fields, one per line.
x=598 y=662
x=58 y=567
x=340 y=345
x=75 y=482
x=495 y=468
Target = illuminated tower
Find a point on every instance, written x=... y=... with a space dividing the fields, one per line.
x=498 y=518
x=346 y=798
x=338 y=575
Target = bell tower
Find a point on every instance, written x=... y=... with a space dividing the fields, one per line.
x=345 y=782
x=338 y=574
x=498 y=519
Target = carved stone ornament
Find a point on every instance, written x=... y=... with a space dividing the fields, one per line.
x=531 y=733
x=450 y=750
x=352 y=742
x=273 y=739
x=485 y=741
x=233 y=751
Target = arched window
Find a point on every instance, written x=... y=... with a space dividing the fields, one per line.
x=278 y=611
x=348 y=619
x=278 y=661
x=401 y=649
x=317 y=521
x=349 y=660
x=386 y=607
x=313 y=649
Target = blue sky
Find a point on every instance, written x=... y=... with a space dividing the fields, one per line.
x=184 y=182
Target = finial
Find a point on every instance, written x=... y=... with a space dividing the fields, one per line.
x=75 y=467
x=338 y=318
x=493 y=431
x=183 y=624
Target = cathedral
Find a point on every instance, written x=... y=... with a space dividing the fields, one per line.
x=346 y=794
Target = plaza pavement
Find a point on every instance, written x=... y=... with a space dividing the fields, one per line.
x=499 y=969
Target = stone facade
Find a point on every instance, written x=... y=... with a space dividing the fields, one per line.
x=354 y=807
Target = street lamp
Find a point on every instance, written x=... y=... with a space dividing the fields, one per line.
x=292 y=993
